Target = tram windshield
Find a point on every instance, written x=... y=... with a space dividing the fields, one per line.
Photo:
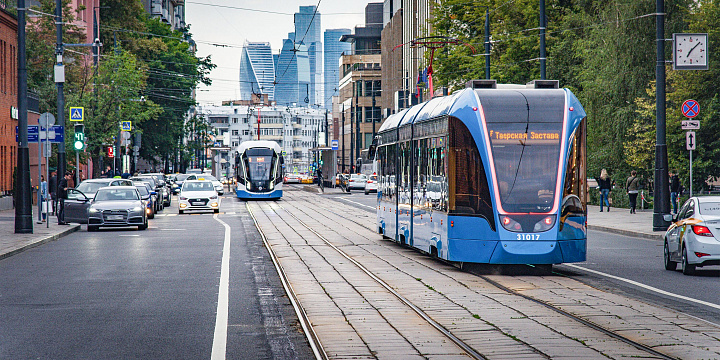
x=526 y=164
x=260 y=168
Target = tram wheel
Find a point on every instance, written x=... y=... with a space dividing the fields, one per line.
x=544 y=269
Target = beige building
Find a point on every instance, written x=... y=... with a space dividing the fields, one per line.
x=360 y=86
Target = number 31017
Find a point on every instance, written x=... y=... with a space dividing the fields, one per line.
x=528 y=236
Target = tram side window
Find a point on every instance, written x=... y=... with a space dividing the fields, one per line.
x=469 y=192
x=576 y=170
x=388 y=158
x=421 y=173
x=405 y=173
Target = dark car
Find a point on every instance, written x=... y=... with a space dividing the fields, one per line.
x=147 y=199
x=155 y=185
x=117 y=206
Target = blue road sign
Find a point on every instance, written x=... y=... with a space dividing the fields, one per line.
x=334 y=144
x=34 y=134
x=77 y=114
x=126 y=126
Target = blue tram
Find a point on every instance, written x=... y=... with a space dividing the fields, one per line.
x=259 y=170
x=491 y=174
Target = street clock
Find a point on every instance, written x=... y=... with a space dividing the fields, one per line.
x=690 y=51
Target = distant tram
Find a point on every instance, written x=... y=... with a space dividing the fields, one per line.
x=491 y=174
x=259 y=170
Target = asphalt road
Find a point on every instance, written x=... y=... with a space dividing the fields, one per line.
x=619 y=260
x=129 y=294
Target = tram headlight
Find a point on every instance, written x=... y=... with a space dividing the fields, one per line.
x=509 y=224
x=545 y=224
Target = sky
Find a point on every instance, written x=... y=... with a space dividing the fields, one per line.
x=221 y=22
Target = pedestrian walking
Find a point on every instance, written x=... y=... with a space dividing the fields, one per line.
x=674 y=190
x=62 y=195
x=605 y=184
x=53 y=183
x=43 y=197
x=632 y=185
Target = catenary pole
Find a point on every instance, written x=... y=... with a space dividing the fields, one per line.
x=662 y=197
x=542 y=39
x=487 y=42
x=23 y=208
x=61 y=161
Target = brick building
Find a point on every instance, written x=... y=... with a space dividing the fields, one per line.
x=8 y=98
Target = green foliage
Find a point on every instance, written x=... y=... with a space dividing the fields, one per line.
x=120 y=81
x=603 y=51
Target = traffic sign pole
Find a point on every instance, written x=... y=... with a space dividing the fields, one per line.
x=691 y=192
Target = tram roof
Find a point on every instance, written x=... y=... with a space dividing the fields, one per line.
x=268 y=144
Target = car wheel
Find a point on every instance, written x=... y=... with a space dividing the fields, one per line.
x=216 y=210
x=151 y=215
x=92 y=228
x=687 y=269
x=669 y=264
x=366 y=192
x=180 y=212
x=143 y=226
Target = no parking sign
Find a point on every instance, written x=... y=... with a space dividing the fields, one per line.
x=690 y=108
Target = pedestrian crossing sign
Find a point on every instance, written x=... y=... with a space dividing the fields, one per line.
x=126 y=126
x=77 y=114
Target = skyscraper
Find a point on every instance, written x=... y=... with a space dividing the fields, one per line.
x=307 y=32
x=333 y=48
x=257 y=70
x=292 y=74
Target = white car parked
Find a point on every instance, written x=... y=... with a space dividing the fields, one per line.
x=357 y=181
x=198 y=195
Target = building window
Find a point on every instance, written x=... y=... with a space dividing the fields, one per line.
x=235 y=132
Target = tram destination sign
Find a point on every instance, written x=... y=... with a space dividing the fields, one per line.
x=536 y=137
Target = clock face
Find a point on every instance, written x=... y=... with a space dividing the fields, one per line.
x=690 y=51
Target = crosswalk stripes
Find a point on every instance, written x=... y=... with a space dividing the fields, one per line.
x=210 y=214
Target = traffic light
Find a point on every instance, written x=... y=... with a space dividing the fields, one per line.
x=79 y=142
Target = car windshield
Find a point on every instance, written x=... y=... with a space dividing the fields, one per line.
x=181 y=177
x=143 y=190
x=88 y=187
x=198 y=186
x=373 y=178
x=710 y=208
x=116 y=194
x=147 y=180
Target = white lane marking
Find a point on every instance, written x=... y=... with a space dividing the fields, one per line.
x=130 y=235
x=647 y=287
x=355 y=202
x=173 y=229
x=221 y=319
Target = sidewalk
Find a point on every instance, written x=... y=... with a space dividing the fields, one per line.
x=620 y=221
x=12 y=243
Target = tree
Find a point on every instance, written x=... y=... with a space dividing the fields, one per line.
x=120 y=82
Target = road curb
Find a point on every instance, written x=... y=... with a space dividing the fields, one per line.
x=626 y=232
x=71 y=229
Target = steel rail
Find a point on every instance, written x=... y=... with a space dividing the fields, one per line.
x=587 y=323
x=312 y=337
x=467 y=348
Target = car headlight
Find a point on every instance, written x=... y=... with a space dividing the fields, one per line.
x=136 y=209
x=93 y=210
x=213 y=197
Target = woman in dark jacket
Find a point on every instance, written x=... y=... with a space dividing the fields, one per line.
x=605 y=185
x=633 y=185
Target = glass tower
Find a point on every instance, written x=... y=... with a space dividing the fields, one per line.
x=307 y=31
x=292 y=74
x=257 y=70
x=333 y=49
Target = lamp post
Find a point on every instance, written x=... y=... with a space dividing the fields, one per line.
x=23 y=208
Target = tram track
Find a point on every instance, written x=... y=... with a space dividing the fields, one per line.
x=308 y=330
x=642 y=347
x=467 y=348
